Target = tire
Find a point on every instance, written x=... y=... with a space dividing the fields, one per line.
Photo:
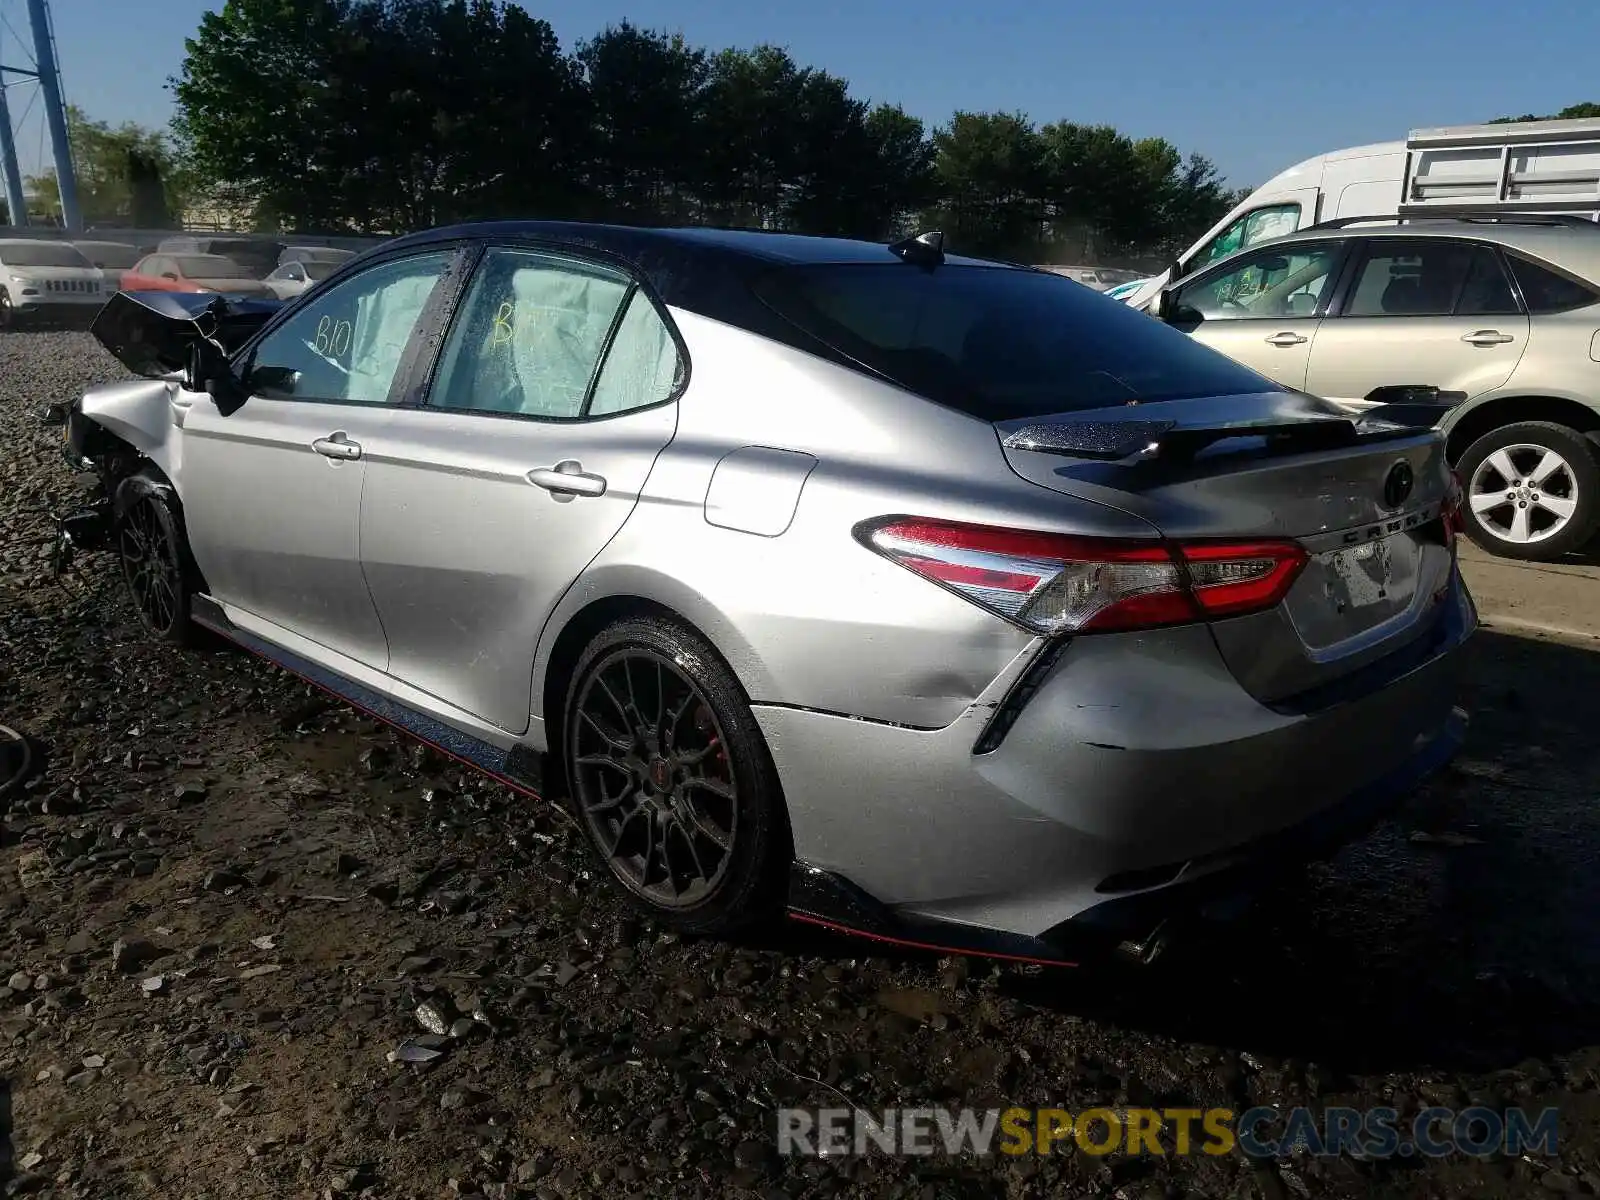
x=157 y=567
x=1550 y=523
x=8 y=312
x=691 y=822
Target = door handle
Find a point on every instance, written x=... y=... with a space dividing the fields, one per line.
x=337 y=445
x=1285 y=339
x=567 y=479
x=1487 y=337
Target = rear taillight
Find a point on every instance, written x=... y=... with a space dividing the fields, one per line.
x=1059 y=583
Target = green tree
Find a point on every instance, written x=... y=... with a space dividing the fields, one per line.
x=646 y=96
x=1197 y=197
x=126 y=174
x=385 y=115
x=749 y=136
x=255 y=105
x=381 y=115
x=897 y=174
x=1571 y=112
x=831 y=161
x=991 y=176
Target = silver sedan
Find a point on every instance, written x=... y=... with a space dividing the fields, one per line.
x=931 y=598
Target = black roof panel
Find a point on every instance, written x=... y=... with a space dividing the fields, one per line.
x=710 y=272
x=630 y=241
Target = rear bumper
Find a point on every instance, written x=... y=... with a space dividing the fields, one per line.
x=1137 y=776
x=827 y=899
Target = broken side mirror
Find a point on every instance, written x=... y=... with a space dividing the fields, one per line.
x=206 y=369
x=203 y=362
x=54 y=415
x=274 y=379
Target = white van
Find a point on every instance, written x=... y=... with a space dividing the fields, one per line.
x=1517 y=167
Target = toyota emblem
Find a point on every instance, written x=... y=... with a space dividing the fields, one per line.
x=1397 y=484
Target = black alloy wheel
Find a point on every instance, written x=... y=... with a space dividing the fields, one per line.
x=655 y=787
x=153 y=565
x=671 y=779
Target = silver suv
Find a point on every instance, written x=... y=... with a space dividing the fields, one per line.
x=1503 y=314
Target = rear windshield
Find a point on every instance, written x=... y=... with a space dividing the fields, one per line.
x=18 y=254
x=211 y=266
x=998 y=343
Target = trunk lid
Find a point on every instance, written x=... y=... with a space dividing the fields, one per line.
x=1362 y=495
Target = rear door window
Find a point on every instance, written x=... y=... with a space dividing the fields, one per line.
x=998 y=343
x=1410 y=279
x=1544 y=291
x=531 y=334
x=1487 y=292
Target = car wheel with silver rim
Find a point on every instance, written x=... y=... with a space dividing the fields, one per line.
x=8 y=311
x=1531 y=490
x=671 y=779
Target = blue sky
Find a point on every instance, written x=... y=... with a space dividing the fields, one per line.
x=1254 y=84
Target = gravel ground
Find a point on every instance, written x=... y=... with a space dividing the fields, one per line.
x=231 y=906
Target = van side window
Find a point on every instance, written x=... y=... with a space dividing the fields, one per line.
x=1255 y=226
x=1546 y=292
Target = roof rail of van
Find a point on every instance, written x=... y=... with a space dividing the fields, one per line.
x=1471 y=217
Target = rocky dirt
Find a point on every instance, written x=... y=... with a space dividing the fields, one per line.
x=255 y=945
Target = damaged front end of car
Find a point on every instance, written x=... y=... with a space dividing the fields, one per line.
x=123 y=432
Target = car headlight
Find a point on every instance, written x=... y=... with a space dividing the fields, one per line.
x=21 y=279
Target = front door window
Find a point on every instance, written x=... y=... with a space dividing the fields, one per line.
x=1292 y=282
x=346 y=346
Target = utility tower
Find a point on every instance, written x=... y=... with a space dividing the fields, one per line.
x=47 y=75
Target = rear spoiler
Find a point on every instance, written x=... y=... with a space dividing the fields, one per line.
x=1397 y=412
x=1415 y=407
x=150 y=332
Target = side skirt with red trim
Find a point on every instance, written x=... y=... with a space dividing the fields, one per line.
x=816 y=897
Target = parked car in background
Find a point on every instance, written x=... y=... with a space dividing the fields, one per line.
x=42 y=279
x=295 y=276
x=192 y=273
x=1504 y=314
x=719 y=532
x=1511 y=168
x=115 y=257
x=1099 y=278
x=260 y=255
x=310 y=254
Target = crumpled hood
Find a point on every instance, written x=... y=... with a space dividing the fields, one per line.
x=149 y=332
